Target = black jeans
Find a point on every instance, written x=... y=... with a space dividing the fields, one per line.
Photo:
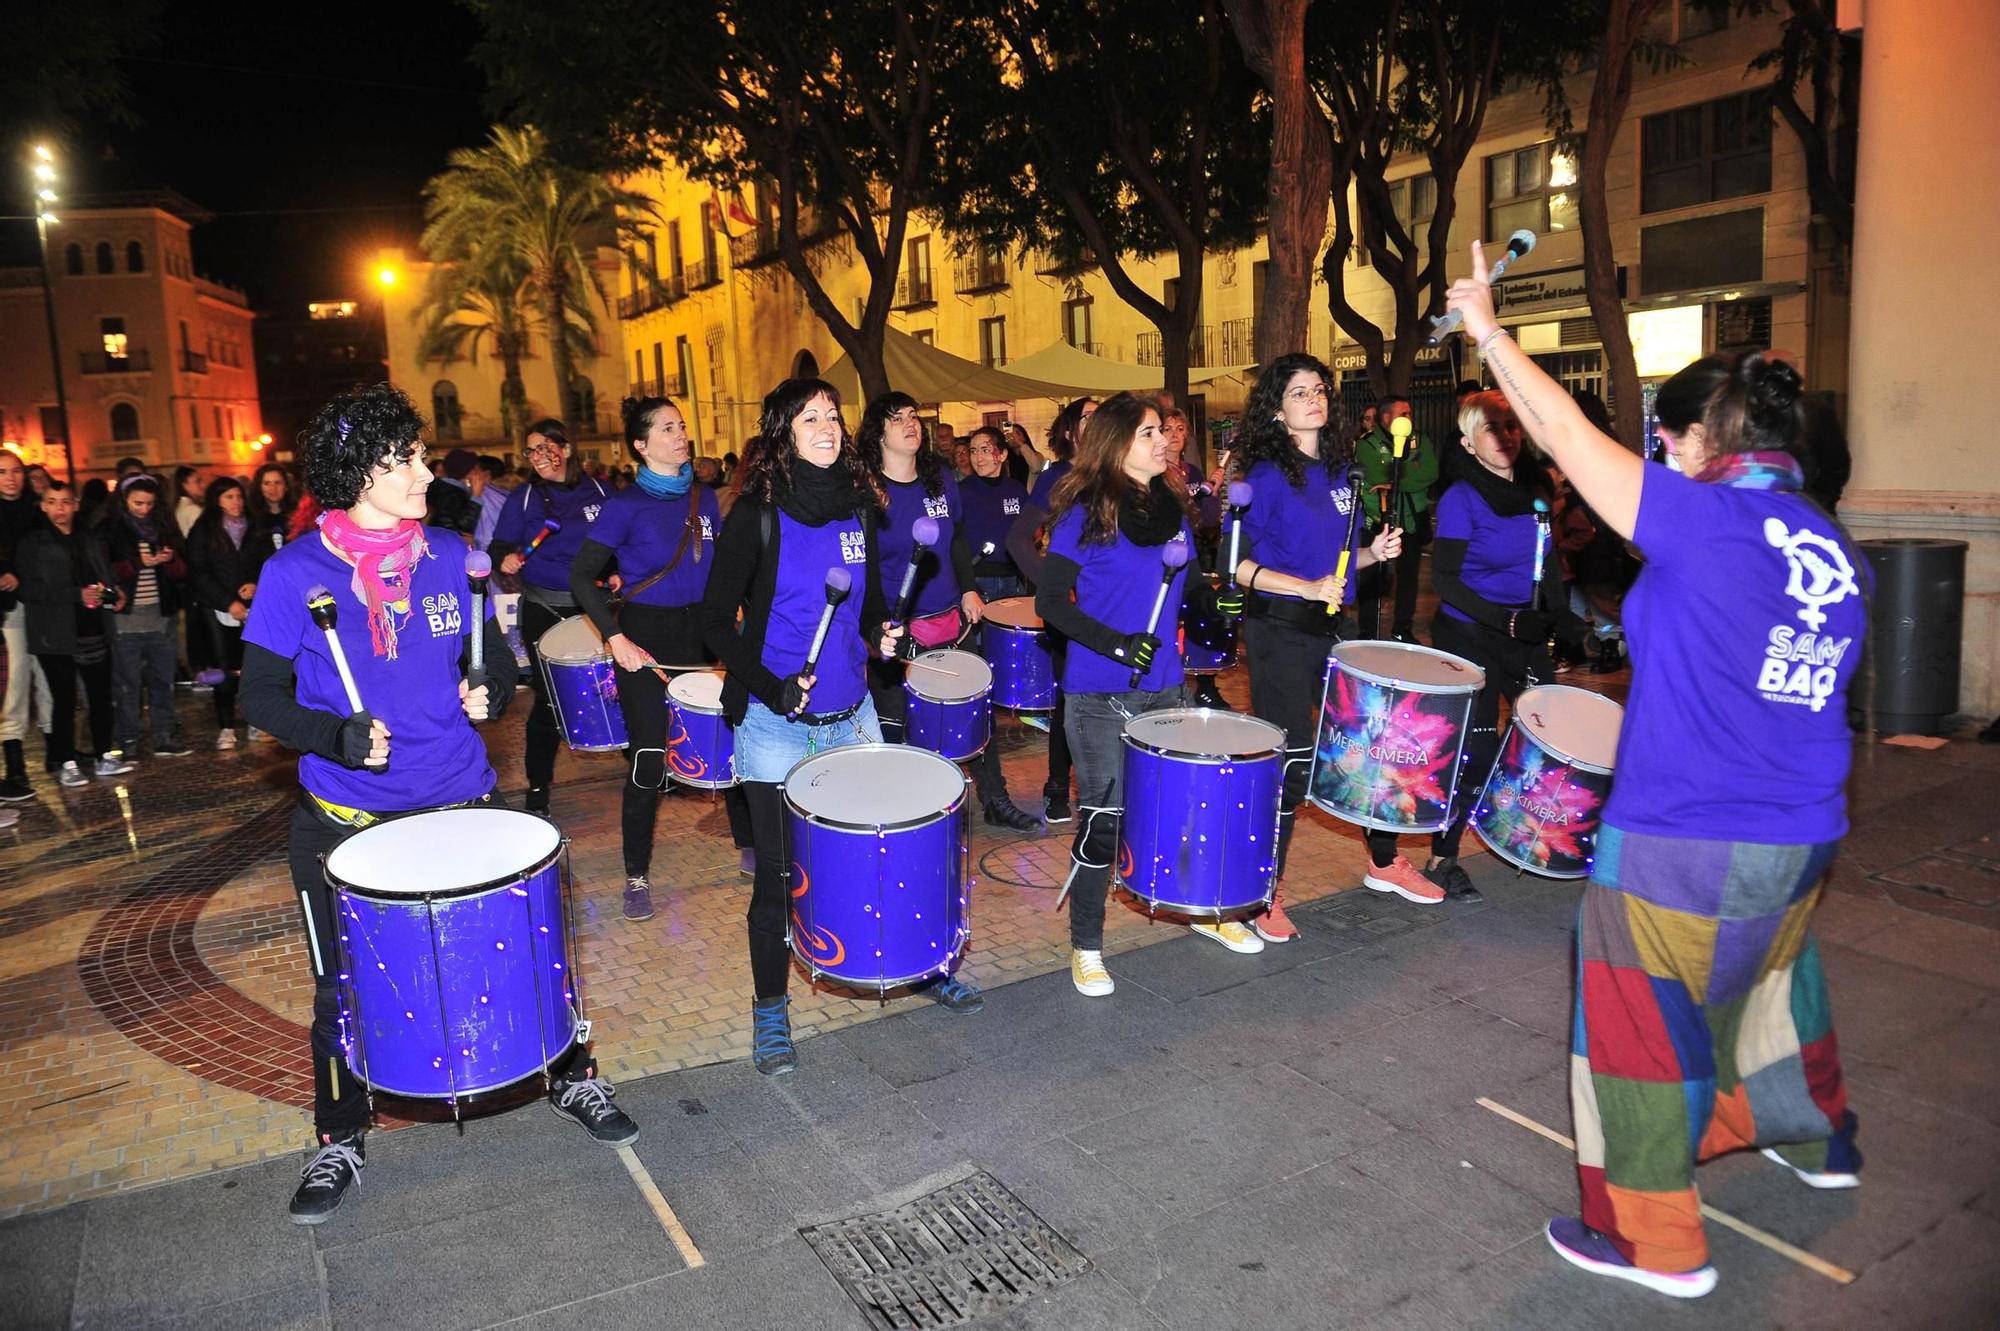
x=1407 y=570
x=63 y=672
x=540 y=756
x=226 y=653
x=673 y=635
x=1096 y=724
x=770 y=894
x=1287 y=679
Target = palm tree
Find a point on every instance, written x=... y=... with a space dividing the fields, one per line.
x=476 y=300
x=548 y=218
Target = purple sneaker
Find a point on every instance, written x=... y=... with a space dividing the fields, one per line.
x=1580 y=1245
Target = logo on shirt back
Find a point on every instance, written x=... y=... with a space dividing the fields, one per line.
x=590 y=512
x=854 y=547
x=937 y=506
x=1805 y=667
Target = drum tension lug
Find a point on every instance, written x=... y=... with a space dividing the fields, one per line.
x=583 y=1031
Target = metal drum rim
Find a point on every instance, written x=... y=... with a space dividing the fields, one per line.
x=1410 y=686
x=1515 y=720
x=1205 y=759
x=339 y=884
x=792 y=808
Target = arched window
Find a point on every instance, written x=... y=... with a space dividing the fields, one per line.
x=805 y=366
x=445 y=415
x=73 y=260
x=124 y=421
x=583 y=403
x=104 y=256
x=135 y=257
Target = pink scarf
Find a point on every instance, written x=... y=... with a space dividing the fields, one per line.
x=379 y=558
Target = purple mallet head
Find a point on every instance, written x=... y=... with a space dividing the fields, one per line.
x=1239 y=494
x=479 y=564
x=1173 y=555
x=925 y=530
x=838 y=583
x=318 y=592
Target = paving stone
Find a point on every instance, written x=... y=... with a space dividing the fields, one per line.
x=38 y=1263
x=1430 y=1064
x=1942 y=947
x=293 y=1308
x=785 y=1283
x=1071 y=1189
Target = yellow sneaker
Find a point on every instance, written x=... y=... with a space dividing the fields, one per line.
x=1087 y=973
x=1232 y=934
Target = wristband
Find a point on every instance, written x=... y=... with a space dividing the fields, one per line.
x=1487 y=341
x=1511 y=614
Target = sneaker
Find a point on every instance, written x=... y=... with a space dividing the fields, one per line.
x=16 y=792
x=771 y=1048
x=1232 y=934
x=538 y=799
x=1456 y=882
x=1087 y=973
x=1814 y=1178
x=638 y=898
x=112 y=764
x=1003 y=812
x=173 y=748
x=1055 y=809
x=225 y=739
x=69 y=774
x=588 y=1102
x=8 y=818
x=335 y=1167
x=1035 y=721
x=1211 y=699
x=1274 y=926
x=1402 y=878
x=955 y=995
x=256 y=736
x=746 y=862
x=1580 y=1245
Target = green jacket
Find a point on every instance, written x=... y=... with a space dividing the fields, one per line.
x=1375 y=451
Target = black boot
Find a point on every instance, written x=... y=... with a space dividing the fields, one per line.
x=14 y=789
x=334 y=1168
x=999 y=811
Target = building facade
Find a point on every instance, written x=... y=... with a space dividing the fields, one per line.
x=307 y=354
x=157 y=360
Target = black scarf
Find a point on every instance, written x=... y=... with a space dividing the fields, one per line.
x=1507 y=499
x=1151 y=516
x=819 y=495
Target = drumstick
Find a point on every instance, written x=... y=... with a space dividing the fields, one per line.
x=838 y=582
x=320 y=601
x=549 y=528
x=1239 y=499
x=923 y=535
x=1541 y=550
x=1173 y=557
x=921 y=664
x=478 y=568
x=1347 y=541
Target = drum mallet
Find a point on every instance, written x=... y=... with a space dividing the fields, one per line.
x=549 y=528
x=320 y=601
x=1173 y=557
x=1347 y=540
x=1239 y=499
x=923 y=534
x=478 y=568
x=838 y=583
x=1519 y=245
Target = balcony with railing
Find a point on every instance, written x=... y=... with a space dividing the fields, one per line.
x=1091 y=348
x=915 y=289
x=984 y=271
x=702 y=274
x=1239 y=341
x=136 y=360
x=194 y=362
x=1201 y=348
x=644 y=299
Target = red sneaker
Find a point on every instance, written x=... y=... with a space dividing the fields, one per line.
x=1274 y=926
x=1402 y=878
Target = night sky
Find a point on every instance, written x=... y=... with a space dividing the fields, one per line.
x=308 y=130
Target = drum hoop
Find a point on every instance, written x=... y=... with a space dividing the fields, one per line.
x=603 y=654
x=1204 y=759
x=1335 y=662
x=839 y=825
x=1571 y=759
x=339 y=884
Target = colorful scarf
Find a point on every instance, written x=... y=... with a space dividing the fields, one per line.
x=660 y=485
x=1772 y=470
x=237 y=529
x=379 y=558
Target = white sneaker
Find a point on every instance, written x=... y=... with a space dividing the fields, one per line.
x=225 y=739
x=71 y=775
x=1232 y=934
x=254 y=735
x=8 y=818
x=1813 y=1178
x=1087 y=973
x=112 y=764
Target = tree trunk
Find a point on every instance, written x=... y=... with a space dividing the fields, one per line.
x=553 y=315
x=1272 y=34
x=1610 y=94
x=513 y=390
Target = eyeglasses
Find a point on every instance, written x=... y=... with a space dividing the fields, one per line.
x=988 y=449
x=1301 y=396
x=545 y=451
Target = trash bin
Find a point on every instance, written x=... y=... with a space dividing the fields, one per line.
x=1915 y=624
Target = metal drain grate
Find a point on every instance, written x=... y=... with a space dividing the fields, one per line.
x=949 y=1257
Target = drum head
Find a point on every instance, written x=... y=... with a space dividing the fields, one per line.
x=700 y=690
x=970 y=675
x=574 y=640
x=1573 y=723
x=874 y=785
x=1408 y=665
x=1199 y=733
x=446 y=850
x=1014 y=612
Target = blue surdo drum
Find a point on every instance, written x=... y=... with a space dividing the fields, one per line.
x=582 y=684
x=947 y=704
x=1200 y=831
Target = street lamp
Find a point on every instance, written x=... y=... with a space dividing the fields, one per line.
x=42 y=168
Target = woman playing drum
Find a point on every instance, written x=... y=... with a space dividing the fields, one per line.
x=1301 y=500
x=945 y=607
x=803 y=522
x=1702 y=1024
x=1113 y=517
x=661 y=530
x=402 y=601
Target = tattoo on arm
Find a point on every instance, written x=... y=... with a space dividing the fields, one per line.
x=1499 y=365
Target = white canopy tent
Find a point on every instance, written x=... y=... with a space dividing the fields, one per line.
x=1062 y=363
x=1057 y=372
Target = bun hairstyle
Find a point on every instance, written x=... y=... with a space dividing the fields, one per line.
x=352 y=435
x=638 y=415
x=1746 y=403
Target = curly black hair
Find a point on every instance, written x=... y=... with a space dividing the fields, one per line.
x=769 y=456
x=876 y=419
x=1264 y=437
x=359 y=430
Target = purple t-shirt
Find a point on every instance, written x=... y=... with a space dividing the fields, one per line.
x=937 y=586
x=646 y=532
x=991 y=509
x=1298 y=531
x=1117 y=587
x=804 y=555
x=1046 y=481
x=435 y=756
x=1745 y=629
x=1499 y=552
x=530 y=507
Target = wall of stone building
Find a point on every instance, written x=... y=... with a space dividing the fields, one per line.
x=1925 y=292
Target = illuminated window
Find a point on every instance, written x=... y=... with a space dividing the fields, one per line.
x=1533 y=189
x=1415 y=201
x=116 y=345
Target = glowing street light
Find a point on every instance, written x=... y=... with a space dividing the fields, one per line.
x=387 y=277
x=42 y=170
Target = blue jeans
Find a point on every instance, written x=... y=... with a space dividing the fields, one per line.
x=1095 y=723
x=768 y=746
x=998 y=589
x=145 y=665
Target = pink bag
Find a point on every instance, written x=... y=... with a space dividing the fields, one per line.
x=938 y=630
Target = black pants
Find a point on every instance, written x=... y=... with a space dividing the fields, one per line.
x=63 y=672
x=1057 y=786
x=540 y=756
x=770 y=894
x=200 y=642
x=225 y=653
x=340 y=1104
x=1407 y=571
x=1287 y=676
x=885 y=686
x=1097 y=725
x=673 y=635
